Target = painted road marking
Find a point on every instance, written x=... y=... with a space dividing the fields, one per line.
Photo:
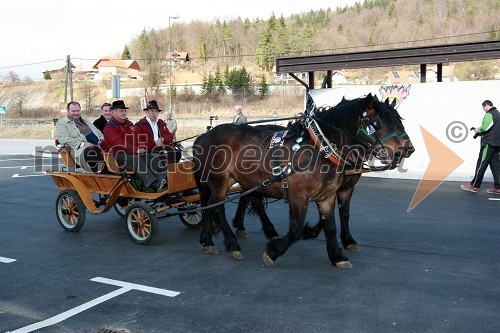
x=493 y=198
x=125 y=286
x=147 y=289
x=16 y=175
x=6 y=260
x=23 y=167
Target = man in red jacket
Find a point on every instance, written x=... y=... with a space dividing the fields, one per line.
x=122 y=140
x=153 y=132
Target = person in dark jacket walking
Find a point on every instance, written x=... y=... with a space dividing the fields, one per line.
x=489 y=154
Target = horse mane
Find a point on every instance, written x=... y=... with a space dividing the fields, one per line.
x=343 y=116
x=389 y=113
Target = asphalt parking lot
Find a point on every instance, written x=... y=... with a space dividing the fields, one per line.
x=435 y=269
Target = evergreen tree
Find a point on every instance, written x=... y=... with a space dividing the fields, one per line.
x=263 y=86
x=207 y=87
x=238 y=80
x=264 y=52
x=203 y=50
x=126 y=53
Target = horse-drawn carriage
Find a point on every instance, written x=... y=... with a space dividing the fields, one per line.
x=317 y=160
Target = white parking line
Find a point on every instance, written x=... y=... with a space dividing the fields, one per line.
x=17 y=166
x=125 y=286
x=493 y=198
x=16 y=175
x=140 y=287
x=6 y=260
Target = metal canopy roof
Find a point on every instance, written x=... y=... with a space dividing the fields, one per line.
x=436 y=54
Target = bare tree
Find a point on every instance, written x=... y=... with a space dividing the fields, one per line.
x=13 y=77
x=87 y=92
x=17 y=103
x=27 y=80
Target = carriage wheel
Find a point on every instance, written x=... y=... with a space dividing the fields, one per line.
x=142 y=225
x=191 y=220
x=70 y=210
x=121 y=206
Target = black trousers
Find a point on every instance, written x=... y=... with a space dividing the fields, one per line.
x=144 y=165
x=488 y=155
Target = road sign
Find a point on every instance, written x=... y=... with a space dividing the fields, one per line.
x=3 y=109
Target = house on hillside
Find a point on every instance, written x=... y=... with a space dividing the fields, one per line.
x=125 y=69
x=186 y=79
x=85 y=72
x=401 y=77
x=176 y=58
x=187 y=82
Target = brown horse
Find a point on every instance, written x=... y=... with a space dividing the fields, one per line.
x=392 y=127
x=307 y=166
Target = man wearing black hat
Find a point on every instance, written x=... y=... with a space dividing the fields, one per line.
x=154 y=132
x=151 y=130
x=122 y=141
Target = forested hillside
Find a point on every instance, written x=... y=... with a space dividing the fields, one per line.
x=373 y=24
x=214 y=47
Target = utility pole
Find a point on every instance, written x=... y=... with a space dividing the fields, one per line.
x=68 y=80
x=171 y=59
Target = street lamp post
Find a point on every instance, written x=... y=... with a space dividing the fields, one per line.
x=171 y=58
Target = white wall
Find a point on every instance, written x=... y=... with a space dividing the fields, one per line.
x=433 y=106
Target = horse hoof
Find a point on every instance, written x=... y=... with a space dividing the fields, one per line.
x=210 y=249
x=268 y=262
x=236 y=254
x=353 y=248
x=242 y=233
x=343 y=264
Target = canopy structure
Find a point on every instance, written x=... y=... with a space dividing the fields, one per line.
x=422 y=55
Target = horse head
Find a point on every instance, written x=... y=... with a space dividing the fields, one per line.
x=392 y=142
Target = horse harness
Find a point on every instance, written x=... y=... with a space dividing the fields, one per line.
x=328 y=150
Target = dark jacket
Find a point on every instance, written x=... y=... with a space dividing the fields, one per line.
x=145 y=133
x=100 y=123
x=490 y=129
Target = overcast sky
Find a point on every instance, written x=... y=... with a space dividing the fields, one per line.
x=35 y=31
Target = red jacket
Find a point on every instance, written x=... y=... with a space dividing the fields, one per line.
x=145 y=133
x=121 y=136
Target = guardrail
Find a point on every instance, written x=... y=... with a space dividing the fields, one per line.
x=27 y=122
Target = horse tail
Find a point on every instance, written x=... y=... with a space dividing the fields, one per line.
x=313 y=232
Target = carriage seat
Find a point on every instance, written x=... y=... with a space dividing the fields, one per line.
x=113 y=166
x=69 y=161
x=65 y=153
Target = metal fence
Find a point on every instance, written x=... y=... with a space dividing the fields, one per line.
x=27 y=122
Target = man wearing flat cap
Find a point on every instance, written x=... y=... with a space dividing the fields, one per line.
x=122 y=140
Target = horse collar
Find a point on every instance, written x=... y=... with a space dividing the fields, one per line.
x=278 y=139
x=329 y=151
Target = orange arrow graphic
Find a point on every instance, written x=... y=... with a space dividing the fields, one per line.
x=442 y=162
